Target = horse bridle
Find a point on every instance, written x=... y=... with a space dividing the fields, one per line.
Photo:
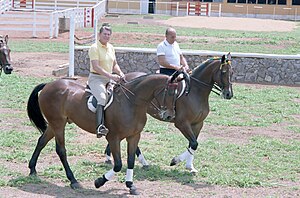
x=3 y=60
x=218 y=87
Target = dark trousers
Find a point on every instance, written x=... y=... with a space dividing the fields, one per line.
x=167 y=71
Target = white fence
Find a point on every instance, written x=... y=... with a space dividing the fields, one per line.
x=5 y=5
x=52 y=5
x=26 y=22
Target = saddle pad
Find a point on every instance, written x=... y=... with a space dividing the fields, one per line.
x=92 y=101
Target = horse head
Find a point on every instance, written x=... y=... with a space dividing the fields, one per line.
x=223 y=77
x=5 y=56
x=215 y=73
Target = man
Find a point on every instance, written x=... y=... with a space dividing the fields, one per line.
x=170 y=57
x=102 y=65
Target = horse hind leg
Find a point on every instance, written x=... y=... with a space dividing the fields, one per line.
x=42 y=142
x=61 y=152
x=138 y=153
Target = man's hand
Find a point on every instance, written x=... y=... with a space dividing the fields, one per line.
x=115 y=77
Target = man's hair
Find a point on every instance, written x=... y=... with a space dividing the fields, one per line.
x=168 y=30
x=105 y=26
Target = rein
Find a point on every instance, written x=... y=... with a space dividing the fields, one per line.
x=211 y=87
x=164 y=90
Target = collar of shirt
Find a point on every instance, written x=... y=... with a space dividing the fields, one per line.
x=167 y=43
x=101 y=45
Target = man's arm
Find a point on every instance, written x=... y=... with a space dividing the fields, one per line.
x=117 y=69
x=100 y=70
x=163 y=62
x=183 y=62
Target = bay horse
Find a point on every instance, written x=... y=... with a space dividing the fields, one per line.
x=192 y=109
x=64 y=101
x=5 y=61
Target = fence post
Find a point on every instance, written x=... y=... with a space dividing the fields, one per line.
x=95 y=29
x=71 y=45
x=34 y=25
x=51 y=26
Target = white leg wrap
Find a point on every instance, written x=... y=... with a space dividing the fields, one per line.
x=108 y=158
x=183 y=156
x=110 y=174
x=189 y=161
x=142 y=160
x=129 y=175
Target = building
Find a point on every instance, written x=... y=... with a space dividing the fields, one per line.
x=271 y=9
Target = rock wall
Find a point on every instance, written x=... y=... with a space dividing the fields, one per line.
x=249 y=68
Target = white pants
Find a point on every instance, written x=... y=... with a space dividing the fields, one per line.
x=97 y=84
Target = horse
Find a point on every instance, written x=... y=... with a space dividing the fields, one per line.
x=65 y=101
x=5 y=56
x=192 y=109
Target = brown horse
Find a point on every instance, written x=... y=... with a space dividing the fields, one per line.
x=5 y=56
x=192 y=109
x=65 y=101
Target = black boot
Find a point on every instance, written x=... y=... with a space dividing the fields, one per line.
x=101 y=130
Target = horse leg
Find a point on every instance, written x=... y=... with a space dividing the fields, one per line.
x=61 y=152
x=42 y=142
x=107 y=155
x=138 y=153
x=188 y=131
x=141 y=158
x=116 y=151
x=132 y=143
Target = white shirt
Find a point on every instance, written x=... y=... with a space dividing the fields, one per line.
x=171 y=52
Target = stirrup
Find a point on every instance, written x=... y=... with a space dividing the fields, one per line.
x=101 y=131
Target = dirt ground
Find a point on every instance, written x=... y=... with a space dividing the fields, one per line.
x=42 y=65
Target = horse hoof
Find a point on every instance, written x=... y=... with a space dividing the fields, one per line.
x=192 y=170
x=146 y=167
x=99 y=182
x=173 y=162
x=76 y=186
x=108 y=162
x=33 y=174
x=133 y=191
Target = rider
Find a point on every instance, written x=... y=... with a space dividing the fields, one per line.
x=103 y=63
x=170 y=57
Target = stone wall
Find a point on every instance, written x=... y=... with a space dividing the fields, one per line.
x=249 y=68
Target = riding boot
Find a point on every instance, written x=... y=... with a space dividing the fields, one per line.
x=101 y=130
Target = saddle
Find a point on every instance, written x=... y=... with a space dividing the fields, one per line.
x=92 y=101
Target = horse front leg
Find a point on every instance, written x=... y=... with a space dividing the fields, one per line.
x=132 y=143
x=138 y=153
x=114 y=146
x=191 y=133
x=42 y=142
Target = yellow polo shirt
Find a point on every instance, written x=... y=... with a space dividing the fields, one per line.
x=104 y=54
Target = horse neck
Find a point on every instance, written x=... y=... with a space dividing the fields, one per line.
x=206 y=73
x=145 y=87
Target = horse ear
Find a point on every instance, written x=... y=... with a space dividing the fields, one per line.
x=229 y=56
x=223 y=59
x=6 y=39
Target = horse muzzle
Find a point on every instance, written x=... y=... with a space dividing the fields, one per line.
x=167 y=115
x=227 y=94
x=8 y=69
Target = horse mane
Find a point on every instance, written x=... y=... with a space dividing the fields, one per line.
x=205 y=63
x=137 y=79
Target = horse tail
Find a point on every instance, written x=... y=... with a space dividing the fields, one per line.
x=33 y=109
